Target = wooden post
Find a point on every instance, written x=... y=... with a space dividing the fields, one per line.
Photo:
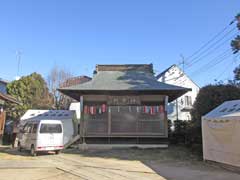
x=166 y=116
x=109 y=122
x=137 y=123
x=82 y=121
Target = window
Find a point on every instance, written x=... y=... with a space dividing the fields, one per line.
x=188 y=101
x=27 y=128
x=51 y=128
x=34 y=128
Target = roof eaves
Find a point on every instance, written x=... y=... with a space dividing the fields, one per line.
x=9 y=98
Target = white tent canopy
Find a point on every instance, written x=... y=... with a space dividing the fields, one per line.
x=221 y=134
x=228 y=110
x=65 y=116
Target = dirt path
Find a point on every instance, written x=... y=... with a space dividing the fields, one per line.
x=111 y=164
x=105 y=169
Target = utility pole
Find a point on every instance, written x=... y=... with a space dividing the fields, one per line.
x=182 y=62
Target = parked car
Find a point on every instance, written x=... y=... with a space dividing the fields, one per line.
x=42 y=135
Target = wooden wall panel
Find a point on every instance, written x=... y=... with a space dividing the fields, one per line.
x=125 y=120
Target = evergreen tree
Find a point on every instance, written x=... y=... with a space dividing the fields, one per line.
x=32 y=92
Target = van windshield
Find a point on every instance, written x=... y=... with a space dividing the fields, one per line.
x=51 y=128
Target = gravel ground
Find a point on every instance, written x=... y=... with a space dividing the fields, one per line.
x=174 y=163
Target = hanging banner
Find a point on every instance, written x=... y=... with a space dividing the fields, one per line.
x=161 y=109
x=145 y=109
x=99 y=110
x=137 y=109
x=86 y=109
x=153 y=110
x=104 y=108
x=94 y=110
x=91 y=109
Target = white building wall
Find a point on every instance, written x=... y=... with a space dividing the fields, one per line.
x=175 y=76
x=75 y=106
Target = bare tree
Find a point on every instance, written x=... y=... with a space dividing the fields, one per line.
x=56 y=77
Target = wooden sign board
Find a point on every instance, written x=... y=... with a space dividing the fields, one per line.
x=123 y=100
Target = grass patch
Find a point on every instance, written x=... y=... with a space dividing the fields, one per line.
x=176 y=153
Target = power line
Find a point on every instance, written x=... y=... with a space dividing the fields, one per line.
x=212 y=49
x=221 y=55
x=224 y=71
x=209 y=65
x=212 y=39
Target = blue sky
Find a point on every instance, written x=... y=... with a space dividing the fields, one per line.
x=77 y=34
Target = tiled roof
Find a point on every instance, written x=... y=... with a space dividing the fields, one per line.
x=8 y=98
x=126 y=79
x=75 y=80
x=119 y=80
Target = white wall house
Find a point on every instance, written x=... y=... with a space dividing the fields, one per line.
x=179 y=109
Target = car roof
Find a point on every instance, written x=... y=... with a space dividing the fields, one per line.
x=45 y=121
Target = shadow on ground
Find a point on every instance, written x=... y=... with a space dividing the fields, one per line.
x=8 y=150
x=175 y=162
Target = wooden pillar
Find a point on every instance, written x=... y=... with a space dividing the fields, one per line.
x=82 y=126
x=166 y=123
x=166 y=116
x=109 y=121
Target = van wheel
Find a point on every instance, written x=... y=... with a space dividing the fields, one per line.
x=32 y=151
x=57 y=152
x=19 y=147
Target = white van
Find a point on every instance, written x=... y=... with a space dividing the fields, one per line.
x=41 y=135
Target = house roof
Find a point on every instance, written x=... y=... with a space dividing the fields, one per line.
x=148 y=68
x=3 y=81
x=124 y=81
x=75 y=80
x=172 y=66
x=229 y=110
x=8 y=98
x=166 y=70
